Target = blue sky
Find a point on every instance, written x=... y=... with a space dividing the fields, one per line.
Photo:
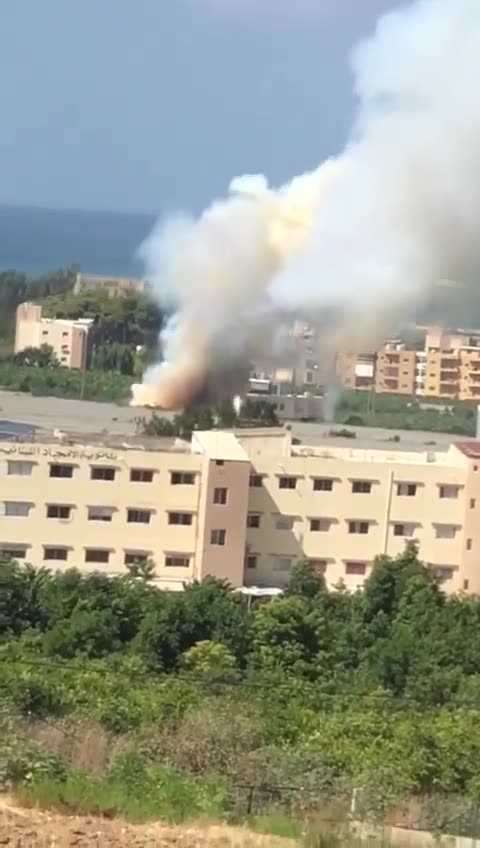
x=155 y=104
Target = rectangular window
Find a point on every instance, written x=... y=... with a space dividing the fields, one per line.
x=443 y=573
x=318 y=565
x=17 y=509
x=218 y=537
x=448 y=491
x=177 y=561
x=323 y=484
x=180 y=518
x=361 y=487
x=141 y=475
x=320 y=525
x=284 y=522
x=138 y=516
x=220 y=497
x=445 y=531
x=287 y=482
x=100 y=513
x=358 y=568
x=58 y=470
x=283 y=564
x=182 y=478
x=253 y=521
x=360 y=527
x=58 y=511
x=60 y=554
x=406 y=490
x=135 y=557
x=19 y=469
x=469 y=544
x=220 y=462
x=12 y=552
x=256 y=481
x=251 y=562
x=96 y=555
x=405 y=530
x=472 y=503
x=102 y=472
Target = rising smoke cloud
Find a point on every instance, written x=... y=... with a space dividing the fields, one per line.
x=364 y=234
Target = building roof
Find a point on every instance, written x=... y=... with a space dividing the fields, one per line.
x=218 y=444
x=469 y=449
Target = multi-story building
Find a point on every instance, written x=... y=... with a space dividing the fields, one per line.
x=114 y=286
x=447 y=368
x=69 y=340
x=242 y=506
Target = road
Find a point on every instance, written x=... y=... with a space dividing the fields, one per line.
x=75 y=416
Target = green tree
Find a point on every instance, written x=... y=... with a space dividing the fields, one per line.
x=305 y=581
x=208 y=659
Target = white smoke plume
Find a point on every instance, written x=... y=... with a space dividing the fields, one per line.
x=365 y=233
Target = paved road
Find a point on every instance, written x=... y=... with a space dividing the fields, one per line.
x=90 y=417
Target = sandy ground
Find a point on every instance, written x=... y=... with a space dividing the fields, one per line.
x=21 y=828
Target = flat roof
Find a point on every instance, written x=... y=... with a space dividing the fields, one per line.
x=219 y=444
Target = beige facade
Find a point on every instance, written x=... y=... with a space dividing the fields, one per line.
x=241 y=506
x=68 y=339
x=447 y=368
x=114 y=286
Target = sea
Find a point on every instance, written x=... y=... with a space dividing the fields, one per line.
x=36 y=240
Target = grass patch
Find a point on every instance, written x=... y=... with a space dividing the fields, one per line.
x=134 y=791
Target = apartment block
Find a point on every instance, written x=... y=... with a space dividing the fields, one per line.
x=68 y=339
x=242 y=506
x=113 y=286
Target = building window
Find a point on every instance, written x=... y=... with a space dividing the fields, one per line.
x=466 y=584
x=404 y=530
x=256 y=481
x=100 y=513
x=102 y=472
x=220 y=462
x=407 y=490
x=141 y=475
x=251 y=562
x=220 y=497
x=445 y=531
x=449 y=491
x=361 y=487
x=469 y=544
x=283 y=564
x=60 y=554
x=253 y=521
x=177 y=561
x=287 y=482
x=17 y=509
x=284 y=522
x=138 y=516
x=97 y=555
x=443 y=573
x=472 y=503
x=57 y=470
x=323 y=484
x=359 y=527
x=358 y=568
x=13 y=552
x=135 y=557
x=319 y=566
x=58 y=511
x=320 y=525
x=218 y=537
x=19 y=469
x=180 y=518
x=182 y=478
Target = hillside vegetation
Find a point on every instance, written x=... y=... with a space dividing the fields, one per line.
x=122 y=699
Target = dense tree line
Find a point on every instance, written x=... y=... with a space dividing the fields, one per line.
x=16 y=288
x=317 y=690
x=363 y=409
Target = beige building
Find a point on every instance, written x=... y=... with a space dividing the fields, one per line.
x=68 y=339
x=447 y=368
x=114 y=286
x=242 y=506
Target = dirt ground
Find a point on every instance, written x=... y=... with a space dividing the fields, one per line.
x=22 y=828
